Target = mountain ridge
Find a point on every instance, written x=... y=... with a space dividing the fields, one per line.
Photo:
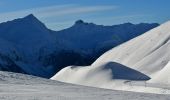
x=43 y=52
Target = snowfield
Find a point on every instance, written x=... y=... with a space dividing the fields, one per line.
x=139 y=65
x=14 y=86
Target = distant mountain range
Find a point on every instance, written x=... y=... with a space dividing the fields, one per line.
x=28 y=46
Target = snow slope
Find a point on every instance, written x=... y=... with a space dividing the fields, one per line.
x=14 y=86
x=146 y=55
x=162 y=77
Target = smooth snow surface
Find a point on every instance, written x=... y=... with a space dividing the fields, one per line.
x=162 y=77
x=15 y=86
x=145 y=55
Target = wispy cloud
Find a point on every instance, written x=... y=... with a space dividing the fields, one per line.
x=77 y=10
x=53 y=11
x=37 y=11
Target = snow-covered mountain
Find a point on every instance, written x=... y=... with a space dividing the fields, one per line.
x=90 y=37
x=87 y=41
x=21 y=42
x=145 y=57
x=27 y=33
x=28 y=46
x=147 y=53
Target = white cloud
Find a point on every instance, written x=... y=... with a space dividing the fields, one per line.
x=53 y=11
x=21 y=13
x=76 y=10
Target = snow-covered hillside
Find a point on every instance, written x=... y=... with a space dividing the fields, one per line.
x=145 y=56
x=14 y=86
x=148 y=53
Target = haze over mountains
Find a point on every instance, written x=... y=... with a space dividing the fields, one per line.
x=28 y=46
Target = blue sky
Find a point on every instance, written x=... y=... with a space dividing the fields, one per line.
x=60 y=14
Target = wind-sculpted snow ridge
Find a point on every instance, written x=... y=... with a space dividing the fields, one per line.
x=101 y=74
x=145 y=56
x=15 y=86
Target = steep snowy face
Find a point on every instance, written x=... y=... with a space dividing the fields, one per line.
x=148 y=53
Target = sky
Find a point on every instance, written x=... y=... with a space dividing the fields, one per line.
x=60 y=14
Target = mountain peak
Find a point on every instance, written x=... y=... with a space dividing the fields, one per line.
x=82 y=23
x=33 y=21
x=79 y=22
x=30 y=16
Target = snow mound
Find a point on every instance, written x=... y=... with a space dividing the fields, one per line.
x=98 y=76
